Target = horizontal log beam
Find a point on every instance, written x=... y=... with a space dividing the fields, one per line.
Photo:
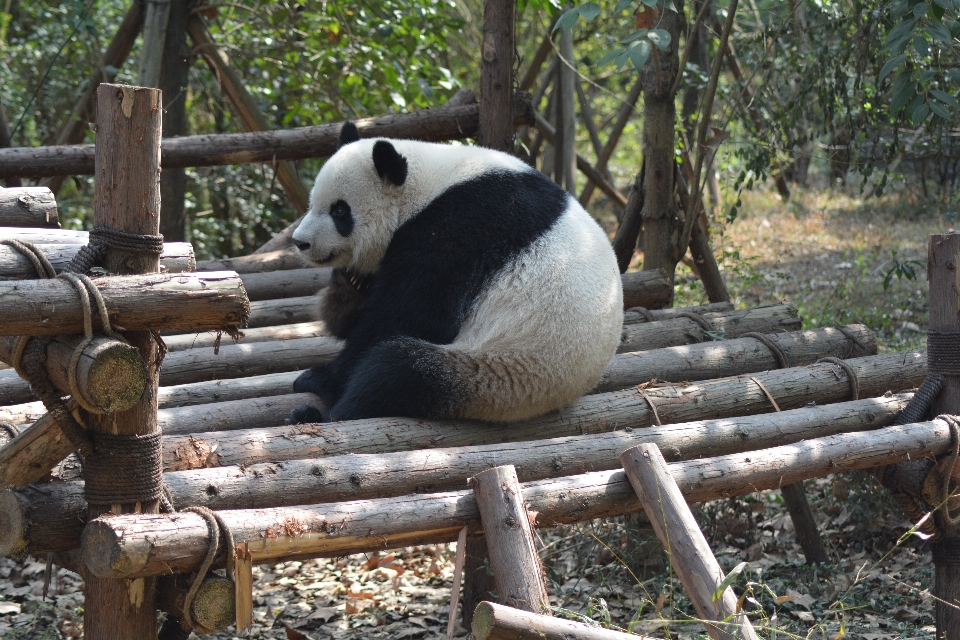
x=292 y=283
x=636 y=316
x=46 y=236
x=127 y=546
x=649 y=289
x=207 y=340
x=281 y=311
x=435 y=125
x=187 y=301
x=493 y=621
x=177 y=257
x=28 y=207
x=792 y=388
x=729 y=324
x=280 y=260
x=248 y=413
x=367 y=476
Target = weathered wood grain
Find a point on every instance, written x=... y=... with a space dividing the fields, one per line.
x=177 y=257
x=28 y=207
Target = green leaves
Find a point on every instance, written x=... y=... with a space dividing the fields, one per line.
x=891 y=64
x=730 y=579
x=659 y=37
x=588 y=10
x=903 y=90
x=639 y=52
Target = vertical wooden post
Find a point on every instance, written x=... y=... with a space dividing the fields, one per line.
x=496 y=75
x=5 y=142
x=680 y=535
x=496 y=132
x=127 y=198
x=566 y=124
x=154 y=37
x=517 y=570
x=173 y=83
x=943 y=273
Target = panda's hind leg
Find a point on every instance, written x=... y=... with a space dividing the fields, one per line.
x=401 y=377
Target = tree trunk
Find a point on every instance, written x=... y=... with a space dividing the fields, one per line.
x=174 y=78
x=662 y=227
x=52 y=523
x=137 y=545
x=208 y=301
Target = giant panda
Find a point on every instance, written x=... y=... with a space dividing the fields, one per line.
x=466 y=285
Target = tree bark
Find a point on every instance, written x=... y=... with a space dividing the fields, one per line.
x=683 y=541
x=28 y=207
x=286 y=284
x=283 y=311
x=435 y=125
x=496 y=76
x=154 y=37
x=127 y=198
x=666 y=333
x=174 y=78
x=195 y=477
x=496 y=622
x=598 y=413
x=517 y=570
x=660 y=222
x=145 y=545
x=177 y=257
x=208 y=301
x=280 y=260
x=943 y=265
x=188 y=341
x=650 y=289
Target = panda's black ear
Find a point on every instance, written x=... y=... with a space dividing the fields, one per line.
x=389 y=163
x=348 y=134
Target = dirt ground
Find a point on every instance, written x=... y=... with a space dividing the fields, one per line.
x=827 y=254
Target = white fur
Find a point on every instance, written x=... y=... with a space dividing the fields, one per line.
x=379 y=207
x=545 y=330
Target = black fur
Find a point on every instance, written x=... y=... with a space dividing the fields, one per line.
x=389 y=163
x=348 y=134
x=343 y=299
x=435 y=267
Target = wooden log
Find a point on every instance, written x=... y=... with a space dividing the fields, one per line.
x=170 y=302
x=243 y=360
x=495 y=129
x=517 y=570
x=270 y=313
x=650 y=289
x=177 y=257
x=683 y=541
x=285 y=284
x=599 y=413
x=943 y=258
x=434 y=125
x=493 y=621
x=194 y=475
x=279 y=260
x=731 y=324
x=110 y=375
x=33 y=453
x=45 y=236
x=143 y=545
x=213 y=605
x=248 y=413
x=127 y=199
x=804 y=524
x=28 y=207
x=186 y=341
x=736 y=356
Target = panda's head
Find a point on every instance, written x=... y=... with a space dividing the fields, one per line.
x=356 y=204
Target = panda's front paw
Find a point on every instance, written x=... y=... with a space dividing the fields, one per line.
x=304 y=414
x=320 y=381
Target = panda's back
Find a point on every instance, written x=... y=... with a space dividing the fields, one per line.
x=524 y=285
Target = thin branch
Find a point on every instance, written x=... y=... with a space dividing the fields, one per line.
x=689 y=47
x=705 y=112
x=588 y=119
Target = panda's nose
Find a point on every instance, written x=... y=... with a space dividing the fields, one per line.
x=303 y=246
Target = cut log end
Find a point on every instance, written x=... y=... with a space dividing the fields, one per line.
x=214 y=606
x=13 y=525
x=117 y=362
x=104 y=553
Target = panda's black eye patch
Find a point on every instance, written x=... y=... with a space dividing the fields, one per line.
x=342 y=217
